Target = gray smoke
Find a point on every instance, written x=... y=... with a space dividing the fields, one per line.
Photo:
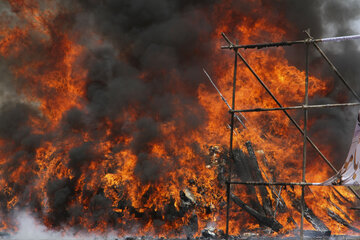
x=146 y=57
x=333 y=127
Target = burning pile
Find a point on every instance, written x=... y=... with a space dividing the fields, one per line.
x=106 y=119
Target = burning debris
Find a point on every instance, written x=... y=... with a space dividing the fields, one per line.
x=256 y=207
x=106 y=118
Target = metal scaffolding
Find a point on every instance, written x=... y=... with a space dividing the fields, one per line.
x=233 y=112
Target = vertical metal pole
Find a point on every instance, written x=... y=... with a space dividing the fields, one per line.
x=305 y=140
x=228 y=186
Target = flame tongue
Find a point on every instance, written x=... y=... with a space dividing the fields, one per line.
x=107 y=132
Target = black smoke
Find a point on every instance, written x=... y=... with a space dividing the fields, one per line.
x=146 y=58
x=161 y=40
x=333 y=127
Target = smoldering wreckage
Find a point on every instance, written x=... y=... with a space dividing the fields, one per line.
x=109 y=124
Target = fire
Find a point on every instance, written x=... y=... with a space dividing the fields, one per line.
x=73 y=164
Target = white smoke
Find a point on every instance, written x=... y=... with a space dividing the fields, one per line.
x=31 y=229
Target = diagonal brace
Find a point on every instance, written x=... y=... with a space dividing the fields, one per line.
x=334 y=68
x=286 y=113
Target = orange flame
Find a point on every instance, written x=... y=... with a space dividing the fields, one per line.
x=106 y=191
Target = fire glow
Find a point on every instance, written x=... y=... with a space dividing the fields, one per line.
x=76 y=159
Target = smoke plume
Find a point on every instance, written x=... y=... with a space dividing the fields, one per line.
x=142 y=64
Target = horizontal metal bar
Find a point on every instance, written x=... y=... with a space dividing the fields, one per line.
x=297 y=107
x=289 y=43
x=277 y=183
x=263 y=45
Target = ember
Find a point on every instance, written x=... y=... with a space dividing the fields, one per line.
x=108 y=124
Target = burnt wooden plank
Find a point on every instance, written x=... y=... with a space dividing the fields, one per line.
x=261 y=218
x=308 y=213
x=276 y=192
x=257 y=176
x=342 y=221
x=243 y=171
x=338 y=195
x=338 y=208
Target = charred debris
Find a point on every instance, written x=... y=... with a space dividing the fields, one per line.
x=264 y=196
x=246 y=166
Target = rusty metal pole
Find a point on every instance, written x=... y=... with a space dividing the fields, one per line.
x=228 y=184
x=303 y=131
x=286 y=113
x=306 y=101
x=289 y=43
x=293 y=121
x=300 y=107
